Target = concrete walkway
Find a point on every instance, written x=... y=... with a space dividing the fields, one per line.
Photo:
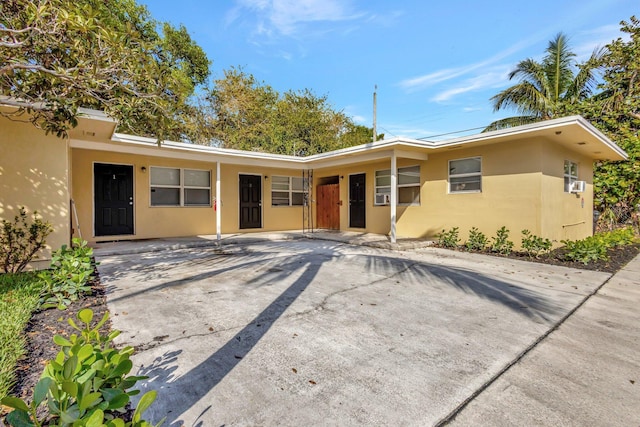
x=123 y=247
x=264 y=332
x=584 y=373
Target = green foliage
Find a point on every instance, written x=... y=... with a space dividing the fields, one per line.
x=250 y=115
x=586 y=250
x=86 y=384
x=533 y=245
x=595 y=248
x=21 y=240
x=66 y=280
x=477 y=240
x=449 y=239
x=60 y=55
x=545 y=87
x=501 y=243
x=19 y=294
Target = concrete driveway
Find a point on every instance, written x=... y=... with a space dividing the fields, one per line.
x=309 y=332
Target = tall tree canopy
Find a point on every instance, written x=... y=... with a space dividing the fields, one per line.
x=250 y=115
x=59 y=55
x=545 y=87
x=616 y=112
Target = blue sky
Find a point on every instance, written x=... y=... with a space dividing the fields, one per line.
x=436 y=64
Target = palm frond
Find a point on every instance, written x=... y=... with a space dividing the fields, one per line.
x=510 y=122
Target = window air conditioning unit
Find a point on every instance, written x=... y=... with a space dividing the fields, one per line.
x=577 y=186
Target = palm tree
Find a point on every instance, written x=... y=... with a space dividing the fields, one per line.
x=546 y=86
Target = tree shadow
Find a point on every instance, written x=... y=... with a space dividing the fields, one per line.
x=184 y=391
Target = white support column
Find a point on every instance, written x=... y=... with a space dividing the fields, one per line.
x=394 y=194
x=218 y=204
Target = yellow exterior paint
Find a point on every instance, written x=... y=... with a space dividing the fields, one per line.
x=34 y=173
x=154 y=221
x=522 y=188
x=522 y=182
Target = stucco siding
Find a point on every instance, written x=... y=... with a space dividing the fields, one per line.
x=34 y=173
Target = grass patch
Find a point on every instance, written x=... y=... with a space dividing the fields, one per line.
x=19 y=295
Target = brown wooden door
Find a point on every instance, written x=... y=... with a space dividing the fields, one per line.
x=328 y=206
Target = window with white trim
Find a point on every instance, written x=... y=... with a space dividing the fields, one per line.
x=408 y=186
x=180 y=187
x=287 y=191
x=465 y=175
x=570 y=174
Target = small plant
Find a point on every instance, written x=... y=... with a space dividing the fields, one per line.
x=533 y=245
x=595 y=248
x=501 y=243
x=86 y=384
x=449 y=239
x=477 y=240
x=71 y=270
x=586 y=250
x=21 y=240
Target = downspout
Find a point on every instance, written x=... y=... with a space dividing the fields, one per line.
x=218 y=204
x=394 y=194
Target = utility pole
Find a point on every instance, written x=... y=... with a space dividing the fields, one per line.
x=375 y=112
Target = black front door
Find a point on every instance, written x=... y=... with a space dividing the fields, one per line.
x=250 y=201
x=113 y=193
x=356 y=201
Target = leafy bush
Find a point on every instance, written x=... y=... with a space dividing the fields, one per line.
x=501 y=243
x=594 y=248
x=86 y=384
x=534 y=245
x=449 y=239
x=71 y=270
x=477 y=240
x=21 y=240
x=586 y=250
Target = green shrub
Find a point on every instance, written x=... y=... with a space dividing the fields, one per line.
x=533 y=245
x=477 y=240
x=21 y=240
x=501 y=243
x=594 y=248
x=449 y=239
x=86 y=384
x=71 y=270
x=586 y=250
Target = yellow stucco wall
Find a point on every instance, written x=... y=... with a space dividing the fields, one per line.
x=33 y=174
x=565 y=215
x=522 y=188
x=153 y=221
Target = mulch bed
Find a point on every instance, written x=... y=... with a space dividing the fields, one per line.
x=47 y=323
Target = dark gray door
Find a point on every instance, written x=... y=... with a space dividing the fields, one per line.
x=250 y=201
x=357 y=192
x=113 y=193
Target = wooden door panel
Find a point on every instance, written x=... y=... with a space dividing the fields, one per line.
x=328 y=206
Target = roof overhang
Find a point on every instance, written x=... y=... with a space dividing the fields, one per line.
x=574 y=133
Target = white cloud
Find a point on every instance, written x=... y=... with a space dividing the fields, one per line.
x=493 y=77
x=287 y=17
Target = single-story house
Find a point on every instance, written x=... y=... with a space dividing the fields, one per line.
x=115 y=186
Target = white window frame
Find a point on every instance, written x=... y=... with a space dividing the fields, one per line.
x=413 y=184
x=463 y=175
x=571 y=178
x=290 y=190
x=387 y=201
x=386 y=196
x=181 y=187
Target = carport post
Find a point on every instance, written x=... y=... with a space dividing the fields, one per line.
x=394 y=194
x=218 y=203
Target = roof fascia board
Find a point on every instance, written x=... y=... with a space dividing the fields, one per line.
x=208 y=157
